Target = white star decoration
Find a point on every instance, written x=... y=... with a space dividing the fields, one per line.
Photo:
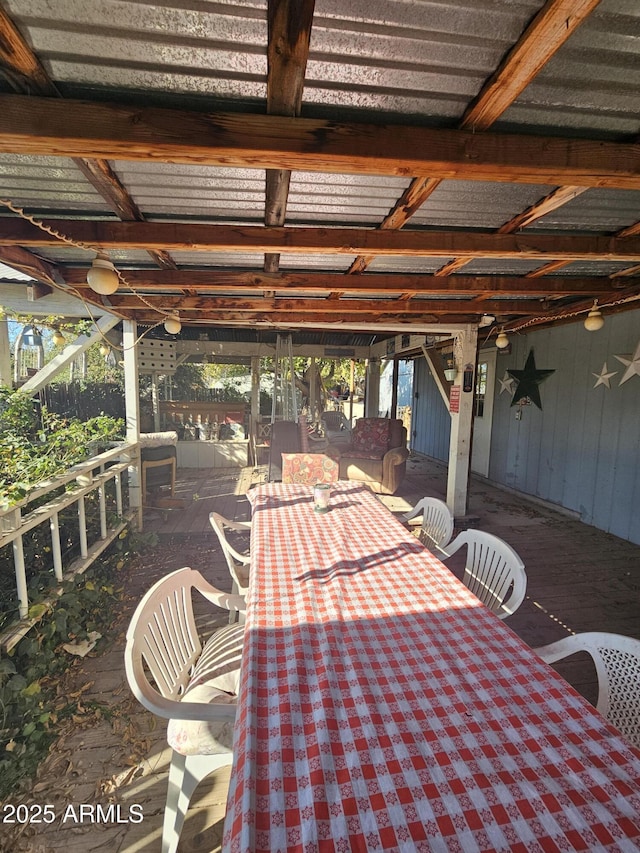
x=632 y=362
x=506 y=383
x=604 y=377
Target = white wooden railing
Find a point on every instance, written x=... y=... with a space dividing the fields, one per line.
x=18 y=522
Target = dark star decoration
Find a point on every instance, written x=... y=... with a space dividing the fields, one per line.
x=528 y=381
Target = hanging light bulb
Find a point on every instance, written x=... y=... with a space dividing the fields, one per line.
x=102 y=277
x=58 y=338
x=172 y=324
x=594 y=319
x=502 y=340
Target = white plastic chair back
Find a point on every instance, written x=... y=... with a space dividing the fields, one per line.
x=238 y=563
x=437 y=522
x=617 y=663
x=161 y=653
x=493 y=571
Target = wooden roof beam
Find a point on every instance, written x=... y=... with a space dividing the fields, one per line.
x=214 y=305
x=379 y=283
x=46 y=126
x=191 y=237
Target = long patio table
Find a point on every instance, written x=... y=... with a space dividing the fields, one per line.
x=383 y=707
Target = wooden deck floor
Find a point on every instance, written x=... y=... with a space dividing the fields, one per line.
x=579 y=579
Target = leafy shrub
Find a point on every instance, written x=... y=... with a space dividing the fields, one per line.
x=36 y=446
x=31 y=705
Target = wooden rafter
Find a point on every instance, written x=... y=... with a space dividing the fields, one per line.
x=289 y=28
x=331 y=241
x=48 y=127
x=30 y=264
x=545 y=34
x=542 y=38
x=373 y=283
x=374 y=307
x=630 y=231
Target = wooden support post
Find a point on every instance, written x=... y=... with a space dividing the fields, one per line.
x=394 y=389
x=5 y=352
x=372 y=400
x=132 y=409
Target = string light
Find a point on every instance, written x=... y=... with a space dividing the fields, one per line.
x=102 y=276
x=103 y=273
x=172 y=324
x=502 y=341
x=594 y=319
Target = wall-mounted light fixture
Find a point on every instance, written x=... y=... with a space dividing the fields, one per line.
x=486 y=320
x=450 y=369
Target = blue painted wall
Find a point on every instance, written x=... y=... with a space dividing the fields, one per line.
x=431 y=422
x=582 y=450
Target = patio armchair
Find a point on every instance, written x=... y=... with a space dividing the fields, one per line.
x=377 y=454
x=617 y=662
x=493 y=571
x=436 y=529
x=194 y=686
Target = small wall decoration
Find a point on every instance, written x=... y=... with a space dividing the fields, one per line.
x=604 y=377
x=632 y=362
x=528 y=381
x=506 y=383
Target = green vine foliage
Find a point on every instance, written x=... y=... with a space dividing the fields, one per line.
x=37 y=445
x=30 y=707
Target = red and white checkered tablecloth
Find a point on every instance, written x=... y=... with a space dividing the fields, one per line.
x=382 y=707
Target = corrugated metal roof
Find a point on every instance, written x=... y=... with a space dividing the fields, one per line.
x=411 y=61
x=328 y=263
x=48 y=184
x=408 y=58
x=353 y=199
x=208 y=48
x=164 y=190
x=477 y=204
x=602 y=210
x=401 y=264
x=591 y=85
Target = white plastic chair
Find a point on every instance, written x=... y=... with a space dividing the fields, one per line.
x=437 y=522
x=617 y=663
x=193 y=686
x=493 y=571
x=238 y=563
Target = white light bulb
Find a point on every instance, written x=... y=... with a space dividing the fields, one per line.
x=102 y=277
x=172 y=325
x=502 y=340
x=594 y=319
